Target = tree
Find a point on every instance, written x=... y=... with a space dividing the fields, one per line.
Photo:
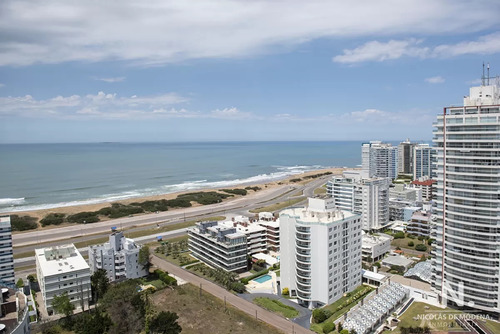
x=339 y=327
x=421 y=247
x=145 y=257
x=411 y=243
x=20 y=283
x=62 y=304
x=31 y=278
x=165 y=323
x=328 y=327
x=99 y=283
x=95 y=323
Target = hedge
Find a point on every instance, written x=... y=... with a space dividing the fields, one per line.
x=53 y=219
x=165 y=277
x=247 y=279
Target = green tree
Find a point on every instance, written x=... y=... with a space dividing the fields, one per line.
x=99 y=283
x=62 y=304
x=411 y=243
x=165 y=323
x=20 y=283
x=95 y=323
x=328 y=327
x=421 y=247
x=145 y=257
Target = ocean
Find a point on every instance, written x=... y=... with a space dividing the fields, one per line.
x=39 y=176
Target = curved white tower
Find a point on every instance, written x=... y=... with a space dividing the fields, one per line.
x=467 y=220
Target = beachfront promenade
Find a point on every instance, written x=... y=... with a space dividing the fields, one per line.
x=208 y=287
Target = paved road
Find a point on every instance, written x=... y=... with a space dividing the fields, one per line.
x=240 y=303
x=253 y=200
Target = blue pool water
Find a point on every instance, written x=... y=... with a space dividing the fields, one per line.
x=262 y=279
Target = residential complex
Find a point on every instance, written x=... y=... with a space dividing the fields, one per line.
x=379 y=159
x=369 y=197
x=420 y=224
x=422 y=161
x=466 y=230
x=255 y=233
x=119 y=257
x=7 y=277
x=425 y=185
x=320 y=252
x=62 y=269
x=218 y=245
x=405 y=157
x=272 y=226
x=14 y=312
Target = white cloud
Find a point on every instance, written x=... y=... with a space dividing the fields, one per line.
x=394 y=49
x=230 y=113
x=162 y=31
x=435 y=80
x=377 y=51
x=111 y=80
x=376 y=116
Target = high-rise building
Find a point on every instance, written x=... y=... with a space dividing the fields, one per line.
x=379 y=159
x=7 y=277
x=405 y=157
x=422 y=161
x=119 y=257
x=466 y=227
x=320 y=252
x=369 y=197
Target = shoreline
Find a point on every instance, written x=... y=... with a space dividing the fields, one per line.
x=69 y=210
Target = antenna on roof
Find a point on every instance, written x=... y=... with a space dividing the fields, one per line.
x=482 y=78
x=488 y=74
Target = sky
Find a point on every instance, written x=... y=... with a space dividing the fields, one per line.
x=227 y=70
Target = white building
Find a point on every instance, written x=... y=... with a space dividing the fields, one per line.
x=420 y=223
x=425 y=186
x=422 y=161
x=218 y=245
x=368 y=197
x=272 y=226
x=119 y=257
x=405 y=193
x=375 y=246
x=7 y=277
x=63 y=269
x=467 y=247
x=320 y=252
x=379 y=159
x=255 y=233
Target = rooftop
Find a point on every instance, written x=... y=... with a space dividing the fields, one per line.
x=424 y=183
x=60 y=259
x=373 y=240
x=397 y=260
x=4 y=220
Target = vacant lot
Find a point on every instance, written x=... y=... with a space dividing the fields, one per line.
x=206 y=314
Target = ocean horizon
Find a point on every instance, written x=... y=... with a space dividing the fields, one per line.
x=42 y=176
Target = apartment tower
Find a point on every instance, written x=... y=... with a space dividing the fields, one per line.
x=466 y=226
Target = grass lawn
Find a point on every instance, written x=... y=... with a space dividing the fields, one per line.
x=206 y=314
x=439 y=319
x=320 y=191
x=363 y=290
x=493 y=326
x=276 y=306
x=177 y=261
x=157 y=283
x=279 y=205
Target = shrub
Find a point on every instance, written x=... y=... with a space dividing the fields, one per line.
x=411 y=236
x=399 y=235
x=20 y=283
x=421 y=247
x=430 y=241
x=253 y=188
x=411 y=244
x=285 y=292
x=118 y=210
x=83 y=217
x=241 y=192
x=237 y=287
x=153 y=206
x=179 y=203
x=420 y=237
x=295 y=180
x=377 y=264
x=321 y=314
x=328 y=327
x=204 y=198
x=23 y=223
x=344 y=331
x=53 y=219
x=165 y=277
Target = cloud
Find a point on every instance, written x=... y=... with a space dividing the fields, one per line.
x=377 y=51
x=164 y=31
x=435 y=80
x=111 y=80
x=395 y=49
x=375 y=116
x=99 y=105
x=230 y=113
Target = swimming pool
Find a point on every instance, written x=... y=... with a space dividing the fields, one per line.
x=262 y=279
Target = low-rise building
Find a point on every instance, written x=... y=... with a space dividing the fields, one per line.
x=425 y=185
x=62 y=269
x=119 y=257
x=375 y=246
x=397 y=260
x=255 y=233
x=405 y=193
x=420 y=223
x=218 y=245
x=401 y=210
x=272 y=226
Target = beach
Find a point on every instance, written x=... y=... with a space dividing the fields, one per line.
x=69 y=210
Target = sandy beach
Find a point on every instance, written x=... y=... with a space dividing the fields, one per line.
x=68 y=210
